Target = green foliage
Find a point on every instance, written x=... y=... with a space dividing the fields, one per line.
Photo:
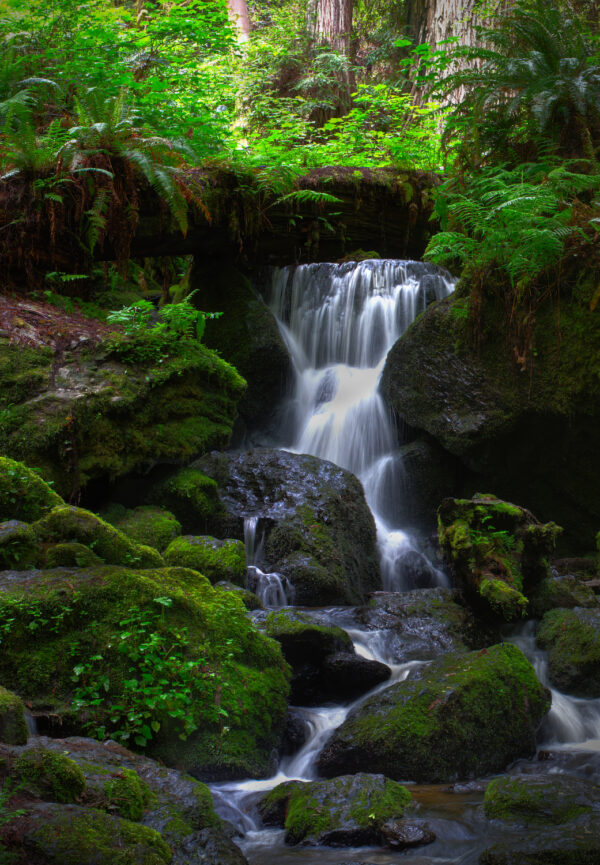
x=158 y=679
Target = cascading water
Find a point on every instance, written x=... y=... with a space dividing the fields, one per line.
x=272 y=589
x=340 y=321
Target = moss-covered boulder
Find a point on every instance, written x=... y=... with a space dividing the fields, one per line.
x=23 y=494
x=561 y=591
x=572 y=639
x=194 y=499
x=95 y=412
x=152 y=526
x=214 y=701
x=572 y=844
x=348 y=811
x=114 y=780
x=325 y=667
x=509 y=405
x=447 y=723
x=13 y=727
x=496 y=551
x=217 y=560
x=18 y=545
x=540 y=799
x=318 y=531
x=67 y=524
x=424 y=624
x=71 y=554
x=72 y=835
x=247 y=336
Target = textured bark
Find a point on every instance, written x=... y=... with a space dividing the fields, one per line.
x=237 y=11
x=333 y=23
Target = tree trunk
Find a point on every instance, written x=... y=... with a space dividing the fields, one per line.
x=239 y=18
x=332 y=23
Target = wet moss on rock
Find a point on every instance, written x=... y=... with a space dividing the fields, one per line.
x=216 y=559
x=13 y=727
x=540 y=799
x=71 y=554
x=572 y=639
x=152 y=526
x=193 y=498
x=18 y=545
x=50 y=775
x=23 y=494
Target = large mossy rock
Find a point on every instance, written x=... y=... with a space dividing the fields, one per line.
x=66 y=524
x=558 y=818
x=83 y=414
x=246 y=336
x=496 y=551
x=24 y=495
x=507 y=421
x=559 y=590
x=107 y=778
x=194 y=499
x=449 y=723
x=572 y=639
x=424 y=624
x=82 y=630
x=318 y=530
x=348 y=811
x=152 y=526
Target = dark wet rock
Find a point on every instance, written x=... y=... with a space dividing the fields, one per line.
x=466 y=787
x=504 y=425
x=497 y=552
x=401 y=834
x=560 y=591
x=119 y=791
x=424 y=624
x=428 y=476
x=246 y=336
x=416 y=570
x=348 y=811
x=324 y=664
x=447 y=724
x=540 y=799
x=273 y=807
x=318 y=531
x=572 y=639
x=295 y=733
x=576 y=843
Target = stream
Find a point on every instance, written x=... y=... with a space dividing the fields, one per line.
x=339 y=321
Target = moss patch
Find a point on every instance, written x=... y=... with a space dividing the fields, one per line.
x=13 y=727
x=539 y=799
x=217 y=560
x=572 y=639
x=23 y=493
x=50 y=775
x=151 y=526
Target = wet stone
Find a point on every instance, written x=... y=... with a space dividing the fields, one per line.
x=400 y=834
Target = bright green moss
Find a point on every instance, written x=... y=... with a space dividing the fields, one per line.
x=151 y=526
x=84 y=837
x=71 y=555
x=192 y=497
x=127 y=794
x=50 y=775
x=67 y=524
x=533 y=799
x=18 y=547
x=572 y=638
x=23 y=494
x=13 y=727
x=217 y=560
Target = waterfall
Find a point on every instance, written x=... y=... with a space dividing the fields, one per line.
x=339 y=322
x=272 y=589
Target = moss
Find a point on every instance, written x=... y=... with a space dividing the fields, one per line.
x=192 y=497
x=217 y=560
x=50 y=775
x=84 y=837
x=24 y=372
x=71 y=555
x=69 y=524
x=572 y=638
x=295 y=629
x=358 y=804
x=127 y=795
x=23 y=494
x=18 y=547
x=537 y=800
x=449 y=723
x=496 y=551
x=13 y=727
x=151 y=526
x=99 y=418
x=239 y=708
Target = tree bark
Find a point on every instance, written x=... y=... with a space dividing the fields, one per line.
x=332 y=23
x=239 y=18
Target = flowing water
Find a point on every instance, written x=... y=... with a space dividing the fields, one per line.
x=339 y=322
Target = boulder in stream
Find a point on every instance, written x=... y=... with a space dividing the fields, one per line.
x=447 y=722
x=572 y=639
x=216 y=559
x=348 y=811
x=496 y=552
x=318 y=530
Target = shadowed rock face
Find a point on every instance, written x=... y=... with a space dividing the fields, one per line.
x=527 y=432
x=318 y=530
